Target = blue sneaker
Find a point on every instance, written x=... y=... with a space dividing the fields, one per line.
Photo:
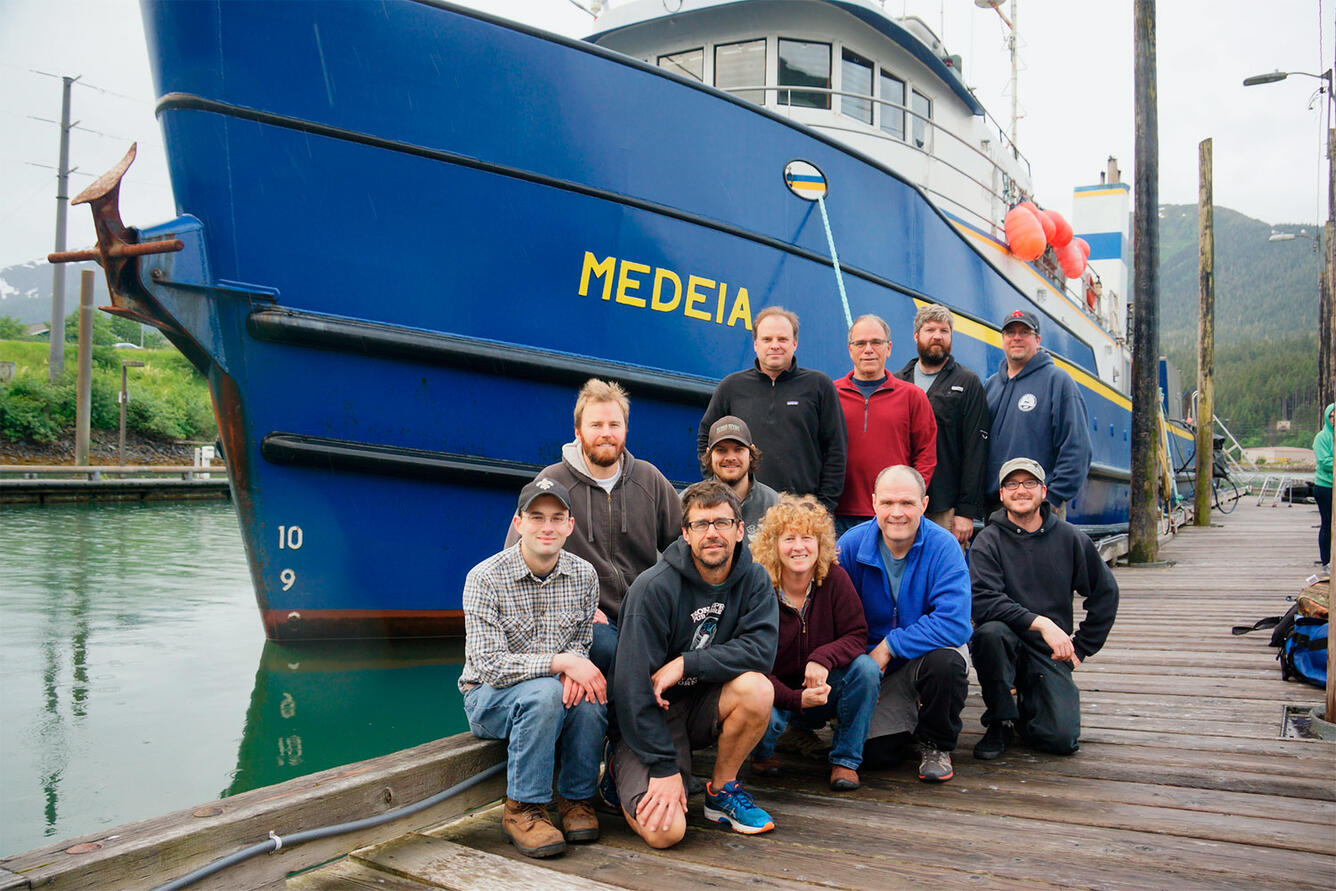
x=607 y=787
x=734 y=807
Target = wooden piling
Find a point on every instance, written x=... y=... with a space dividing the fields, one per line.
x=1143 y=531
x=84 y=393
x=1205 y=411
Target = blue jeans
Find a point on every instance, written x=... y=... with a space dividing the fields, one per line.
x=853 y=697
x=844 y=523
x=530 y=715
x=604 y=646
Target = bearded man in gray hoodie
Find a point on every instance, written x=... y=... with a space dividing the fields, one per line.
x=625 y=510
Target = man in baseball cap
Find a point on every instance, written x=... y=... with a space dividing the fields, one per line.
x=527 y=677
x=731 y=457
x=1037 y=411
x=1024 y=566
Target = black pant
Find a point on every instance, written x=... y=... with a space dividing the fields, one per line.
x=1323 y=496
x=940 y=682
x=1048 y=713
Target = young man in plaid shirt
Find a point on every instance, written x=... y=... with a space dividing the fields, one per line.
x=527 y=678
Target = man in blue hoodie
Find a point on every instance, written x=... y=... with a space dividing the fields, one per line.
x=1038 y=413
x=915 y=588
x=698 y=637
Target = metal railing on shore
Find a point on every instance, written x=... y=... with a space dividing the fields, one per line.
x=111 y=471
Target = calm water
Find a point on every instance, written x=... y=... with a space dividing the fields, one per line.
x=135 y=678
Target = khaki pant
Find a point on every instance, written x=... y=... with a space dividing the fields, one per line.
x=945 y=519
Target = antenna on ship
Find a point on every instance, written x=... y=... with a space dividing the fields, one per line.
x=1012 y=46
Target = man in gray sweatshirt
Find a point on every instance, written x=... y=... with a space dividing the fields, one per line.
x=625 y=510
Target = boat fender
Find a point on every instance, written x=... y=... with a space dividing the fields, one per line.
x=1044 y=220
x=1062 y=229
x=1025 y=237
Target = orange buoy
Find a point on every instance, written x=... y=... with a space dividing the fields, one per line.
x=1062 y=229
x=1084 y=247
x=1025 y=237
x=1070 y=259
x=1043 y=218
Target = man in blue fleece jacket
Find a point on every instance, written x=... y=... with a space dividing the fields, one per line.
x=915 y=588
x=1038 y=413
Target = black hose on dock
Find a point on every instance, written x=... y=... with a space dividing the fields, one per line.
x=277 y=842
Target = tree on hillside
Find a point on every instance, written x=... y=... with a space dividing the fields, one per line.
x=12 y=329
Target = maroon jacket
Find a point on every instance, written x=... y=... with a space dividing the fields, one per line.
x=834 y=633
x=895 y=425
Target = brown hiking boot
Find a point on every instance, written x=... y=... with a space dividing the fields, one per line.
x=530 y=830
x=578 y=822
x=843 y=779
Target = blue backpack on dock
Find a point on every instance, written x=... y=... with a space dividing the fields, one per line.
x=1303 y=655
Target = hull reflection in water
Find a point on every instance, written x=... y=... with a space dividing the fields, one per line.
x=322 y=704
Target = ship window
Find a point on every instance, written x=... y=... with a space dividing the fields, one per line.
x=892 y=112
x=689 y=62
x=804 y=64
x=856 y=77
x=922 y=108
x=741 y=65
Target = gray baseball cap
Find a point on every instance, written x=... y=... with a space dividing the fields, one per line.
x=729 y=427
x=1029 y=465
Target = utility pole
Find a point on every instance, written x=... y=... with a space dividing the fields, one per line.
x=56 y=355
x=1143 y=544
x=1326 y=374
x=1201 y=515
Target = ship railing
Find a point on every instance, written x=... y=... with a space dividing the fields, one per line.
x=1006 y=198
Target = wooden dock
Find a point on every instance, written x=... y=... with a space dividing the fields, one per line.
x=1182 y=779
x=59 y=483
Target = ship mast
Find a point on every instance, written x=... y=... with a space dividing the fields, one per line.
x=1013 y=30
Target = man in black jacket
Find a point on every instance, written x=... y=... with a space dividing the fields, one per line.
x=793 y=413
x=698 y=637
x=1024 y=566
x=956 y=493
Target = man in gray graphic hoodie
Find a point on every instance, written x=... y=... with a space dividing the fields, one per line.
x=625 y=510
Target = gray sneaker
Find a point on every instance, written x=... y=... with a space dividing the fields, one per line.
x=935 y=766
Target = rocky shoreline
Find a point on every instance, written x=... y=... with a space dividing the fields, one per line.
x=102 y=449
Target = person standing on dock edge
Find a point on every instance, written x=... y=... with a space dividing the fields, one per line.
x=915 y=588
x=793 y=413
x=698 y=638
x=1025 y=565
x=1322 y=451
x=956 y=490
x=625 y=510
x=1038 y=412
x=527 y=678
x=888 y=421
x=732 y=458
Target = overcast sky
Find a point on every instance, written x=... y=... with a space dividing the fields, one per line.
x=1076 y=99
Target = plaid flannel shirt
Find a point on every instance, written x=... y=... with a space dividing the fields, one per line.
x=514 y=623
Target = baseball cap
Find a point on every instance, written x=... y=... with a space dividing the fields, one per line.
x=1029 y=465
x=540 y=487
x=1024 y=316
x=729 y=427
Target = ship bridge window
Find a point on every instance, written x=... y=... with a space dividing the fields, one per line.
x=741 y=65
x=803 y=63
x=856 y=77
x=892 y=112
x=922 y=107
x=689 y=62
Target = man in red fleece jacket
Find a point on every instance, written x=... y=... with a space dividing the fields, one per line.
x=889 y=421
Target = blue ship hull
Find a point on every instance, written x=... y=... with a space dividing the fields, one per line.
x=413 y=231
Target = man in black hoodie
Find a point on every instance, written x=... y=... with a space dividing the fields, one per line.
x=1024 y=566
x=698 y=636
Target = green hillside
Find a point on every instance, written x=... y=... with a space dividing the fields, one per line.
x=1266 y=321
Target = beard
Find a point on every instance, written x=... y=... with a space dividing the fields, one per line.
x=601 y=454
x=730 y=475
x=715 y=564
x=933 y=353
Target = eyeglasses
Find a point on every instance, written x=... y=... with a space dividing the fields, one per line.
x=864 y=344
x=541 y=520
x=1013 y=485
x=723 y=524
